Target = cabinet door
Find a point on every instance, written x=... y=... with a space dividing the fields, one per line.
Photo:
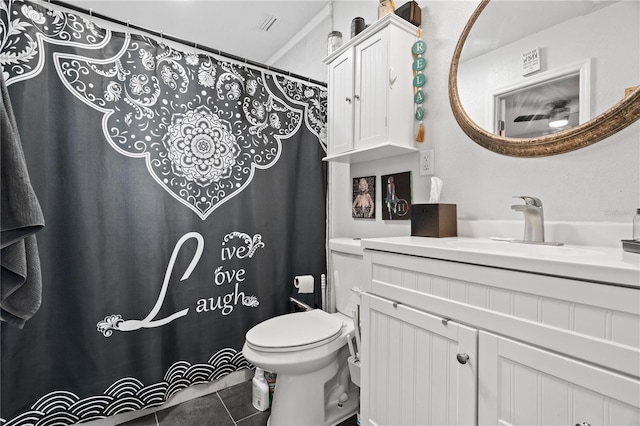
x=340 y=108
x=410 y=371
x=525 y=385
x=371 y=90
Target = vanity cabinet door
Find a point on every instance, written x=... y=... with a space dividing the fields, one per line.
x=525 y=385
x=340 y=104
x=416 y=369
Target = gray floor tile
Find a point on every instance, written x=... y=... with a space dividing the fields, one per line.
x=203 y=411
x=237 y=399
x=258 y=419
x=148 y=420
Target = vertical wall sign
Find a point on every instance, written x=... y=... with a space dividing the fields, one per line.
x=419 y=80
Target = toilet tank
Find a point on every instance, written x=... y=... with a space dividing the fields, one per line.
x=346 y=271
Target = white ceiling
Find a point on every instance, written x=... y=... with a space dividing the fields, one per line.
x=230 y=26
x=524 y=17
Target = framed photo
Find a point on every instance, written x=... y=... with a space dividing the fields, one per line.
x=396 y=196
x=364 y=198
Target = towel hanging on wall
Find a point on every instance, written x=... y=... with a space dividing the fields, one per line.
x=20 y=283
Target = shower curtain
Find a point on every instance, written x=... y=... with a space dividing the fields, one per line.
x=181 y=192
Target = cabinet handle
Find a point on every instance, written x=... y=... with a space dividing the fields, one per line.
x=462 y=358
x=356 y=97
x=445 y=321
x=392 y=77
x=348 y=99
x=583 y=424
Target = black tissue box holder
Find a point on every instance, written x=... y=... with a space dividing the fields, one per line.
x=434 y=220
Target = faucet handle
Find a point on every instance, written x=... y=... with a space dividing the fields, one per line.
x=530 y=201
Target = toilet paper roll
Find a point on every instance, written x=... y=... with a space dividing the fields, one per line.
x=304 y=283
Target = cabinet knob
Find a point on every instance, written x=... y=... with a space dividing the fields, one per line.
x=462 y=358
x=583 y=424
x=348 y=99
x=356 y=97
x=395 y=304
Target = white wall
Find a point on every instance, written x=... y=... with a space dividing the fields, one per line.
x=306 y=57
x=585 y=189
x=613 y=51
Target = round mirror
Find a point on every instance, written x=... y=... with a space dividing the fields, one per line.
x=538 y=78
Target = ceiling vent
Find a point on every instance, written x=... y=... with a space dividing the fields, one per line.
x=267 y=22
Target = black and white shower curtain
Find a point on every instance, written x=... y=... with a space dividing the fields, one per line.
x=181 y=195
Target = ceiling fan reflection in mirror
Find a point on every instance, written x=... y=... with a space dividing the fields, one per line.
x=540 y=108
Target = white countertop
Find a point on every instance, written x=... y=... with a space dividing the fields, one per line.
x=599 y=264
x=346 y=245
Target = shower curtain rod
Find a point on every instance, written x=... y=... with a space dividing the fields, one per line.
x=163 y=35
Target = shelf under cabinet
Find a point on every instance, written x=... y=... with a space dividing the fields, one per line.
x=376 y=152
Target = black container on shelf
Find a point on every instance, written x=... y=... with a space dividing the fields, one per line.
x=357 y=25
x=410 y=12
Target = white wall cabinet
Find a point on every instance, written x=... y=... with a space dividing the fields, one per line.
x=548 y=351
x=370 y=99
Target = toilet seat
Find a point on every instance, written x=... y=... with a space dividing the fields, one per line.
x=295 y=332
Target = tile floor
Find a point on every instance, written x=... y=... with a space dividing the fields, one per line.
x=230 y=406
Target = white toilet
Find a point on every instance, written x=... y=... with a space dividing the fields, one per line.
x=308 y=351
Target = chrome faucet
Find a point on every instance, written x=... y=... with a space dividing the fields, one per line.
x=533 y=221
x=533 y=218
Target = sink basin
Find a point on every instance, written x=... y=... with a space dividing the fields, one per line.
x=533 y=250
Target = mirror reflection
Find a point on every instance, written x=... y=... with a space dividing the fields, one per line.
x=535 y=68
x=539 y=109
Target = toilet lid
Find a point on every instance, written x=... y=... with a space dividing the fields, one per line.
x=293 y=331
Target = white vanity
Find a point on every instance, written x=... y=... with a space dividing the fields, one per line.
x=473 y=331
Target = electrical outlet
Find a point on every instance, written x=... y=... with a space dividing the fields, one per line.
x=426 y=162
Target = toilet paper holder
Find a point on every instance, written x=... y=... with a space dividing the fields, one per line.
x=304 y=283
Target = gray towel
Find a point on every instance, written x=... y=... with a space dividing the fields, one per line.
x=20 y=218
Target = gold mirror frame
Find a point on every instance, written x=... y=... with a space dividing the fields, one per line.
x=621 y=115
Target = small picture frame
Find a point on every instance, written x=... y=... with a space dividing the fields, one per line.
x=363 y=205
x=396 y=196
